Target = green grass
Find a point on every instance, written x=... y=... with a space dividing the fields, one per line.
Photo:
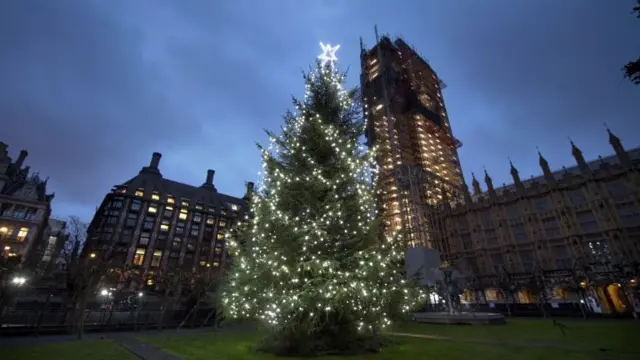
x=617 y=335
x=71 y=350
x=237 y=346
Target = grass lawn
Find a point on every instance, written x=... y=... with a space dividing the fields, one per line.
x=236 y=346
x=72 y=350
x=617 y=335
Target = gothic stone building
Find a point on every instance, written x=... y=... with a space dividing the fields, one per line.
x=25 y=207
x=574 y=233
x=151 y=223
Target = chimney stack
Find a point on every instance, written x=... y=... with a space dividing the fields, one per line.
x=250 y=190
x=20 y=160
x=208 y=183
x=155 y=160
x=210 y=174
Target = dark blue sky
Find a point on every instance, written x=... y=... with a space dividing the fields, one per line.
x=91 y=88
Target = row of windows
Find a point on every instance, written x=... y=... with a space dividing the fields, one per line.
x=19 y=212
x=627 y=212
x=598 y=250
x=155 y=196
x=586 y=220
x=156 y=258
x=9 y=232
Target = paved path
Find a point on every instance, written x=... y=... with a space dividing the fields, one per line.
x=142 y=350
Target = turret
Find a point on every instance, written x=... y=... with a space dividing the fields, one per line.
x=516 y=177
x=546 y=170
x=492 y=191
x=621 y=153
x=476 y=185
x=577 y=154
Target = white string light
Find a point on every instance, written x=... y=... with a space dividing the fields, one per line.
x=293 y=263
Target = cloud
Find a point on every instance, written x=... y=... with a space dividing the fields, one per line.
x=92 y=88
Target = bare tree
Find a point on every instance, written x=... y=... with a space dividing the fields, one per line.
x=170 y=283
x=202 y=283
x=9 y=266
x=84 y=274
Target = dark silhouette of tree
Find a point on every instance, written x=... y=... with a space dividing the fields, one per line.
x=632 y=68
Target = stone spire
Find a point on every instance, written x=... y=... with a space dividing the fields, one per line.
x=476 y=185
x=516 y=177
x=577 y=154
x=490 y=188
x=546 y=170
x=621 y=153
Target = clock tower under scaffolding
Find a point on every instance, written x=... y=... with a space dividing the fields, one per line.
x=419 y=168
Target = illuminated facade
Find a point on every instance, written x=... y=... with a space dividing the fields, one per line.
x=417 y=152
x=567 y=236
x=25 y=207
x=149 y=223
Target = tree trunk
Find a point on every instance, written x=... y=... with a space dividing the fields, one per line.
x=136 y=315
x=41 y=314
x=209 y=315
x=583 y=304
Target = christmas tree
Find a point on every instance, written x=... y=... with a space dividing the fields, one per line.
x=311 y=261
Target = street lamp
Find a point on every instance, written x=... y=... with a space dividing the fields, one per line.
x=104 y=292
x=18 y=280
x=140 y=294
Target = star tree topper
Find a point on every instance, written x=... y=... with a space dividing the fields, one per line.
x=328 y=54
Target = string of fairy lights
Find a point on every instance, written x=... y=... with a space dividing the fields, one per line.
x=271 y=284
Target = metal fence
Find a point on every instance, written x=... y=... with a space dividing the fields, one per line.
x=33 y=318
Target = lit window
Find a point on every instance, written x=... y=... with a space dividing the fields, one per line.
x=140 y=192
x=164 y=226
x=234 y=207
x=183 y=214
x=222 y=223
x=22 y=234
x=150 y=282
x=199 y=207
x=184 y=203
x=157 y=256
x=4 y=230
x=210 y=220
x=203 y=263
x=218 y=250
x=139 y=258
x=170 y=200
x=153 y=209
x=155 y=196
x=220 y=236
x=216 y=263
